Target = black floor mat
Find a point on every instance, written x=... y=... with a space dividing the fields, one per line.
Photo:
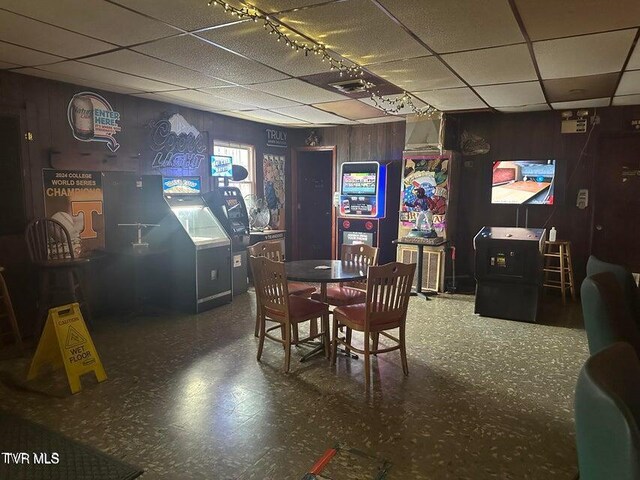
x=27 y=441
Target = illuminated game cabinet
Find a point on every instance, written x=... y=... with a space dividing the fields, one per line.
x=362 y=209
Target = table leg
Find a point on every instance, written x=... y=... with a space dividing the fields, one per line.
x=313 y=328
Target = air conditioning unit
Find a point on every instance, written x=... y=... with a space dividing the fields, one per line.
x=432 y=266
x=424 y=134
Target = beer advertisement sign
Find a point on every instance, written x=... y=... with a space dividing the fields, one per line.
x=74 y=198
x=92 y=119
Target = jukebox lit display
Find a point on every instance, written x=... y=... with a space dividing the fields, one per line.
x=362 y=190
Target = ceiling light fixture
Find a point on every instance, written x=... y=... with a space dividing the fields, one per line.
x=351 y=69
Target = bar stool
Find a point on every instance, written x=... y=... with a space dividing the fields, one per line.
x=51 y=252
x=560 y=250
x=6 y=312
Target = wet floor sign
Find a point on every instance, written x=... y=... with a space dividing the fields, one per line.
x=65 y=341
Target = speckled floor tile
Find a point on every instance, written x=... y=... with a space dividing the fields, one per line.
x=186 y=399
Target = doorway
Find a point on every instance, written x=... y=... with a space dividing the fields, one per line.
x=313 y=220
x=615 y=226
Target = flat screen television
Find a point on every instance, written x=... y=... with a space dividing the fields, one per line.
x=523 y=182
x=359 y=178
x=221 y=166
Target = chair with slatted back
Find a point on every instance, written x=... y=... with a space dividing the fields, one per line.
x=349 y=293
x=273 y=251
x=277 y=305
x=51 y=252
x=7 y=313
x=384 y=308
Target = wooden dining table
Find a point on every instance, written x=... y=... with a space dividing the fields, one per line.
x=323 y=272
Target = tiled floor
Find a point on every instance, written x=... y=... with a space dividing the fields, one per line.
x=186 y=399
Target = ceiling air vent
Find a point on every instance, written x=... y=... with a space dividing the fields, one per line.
x=351 y=86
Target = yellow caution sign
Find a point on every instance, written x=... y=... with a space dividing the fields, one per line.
x=65 y=341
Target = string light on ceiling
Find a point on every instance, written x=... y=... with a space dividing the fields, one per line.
x=387 y=105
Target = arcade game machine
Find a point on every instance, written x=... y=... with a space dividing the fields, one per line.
x=428 y=175
x=199 y=248
x=509 y=272
x=362 y=215
x=227 y=204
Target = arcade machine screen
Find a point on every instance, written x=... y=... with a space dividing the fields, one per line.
x=181 y=186
x=221 y=166
x=359 y=183
x=523 y=182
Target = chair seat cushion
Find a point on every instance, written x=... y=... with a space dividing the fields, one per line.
x=301 y=289
x=356 y=314
x=340 y=296
x=301 y=308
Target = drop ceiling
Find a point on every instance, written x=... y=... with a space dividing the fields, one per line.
x=457 y=55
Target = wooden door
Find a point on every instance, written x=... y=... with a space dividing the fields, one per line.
x=616 y=216
x=313 y=225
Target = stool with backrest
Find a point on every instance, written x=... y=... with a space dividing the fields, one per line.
x=7 y=315
x=384 y=308
x=607 y=415
x=51 y=252
x=273 y=251
x=606 y=317
x=559 y=251
x=276 y=304
x=624 y=278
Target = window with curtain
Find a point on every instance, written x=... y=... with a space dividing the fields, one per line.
x=243 y=155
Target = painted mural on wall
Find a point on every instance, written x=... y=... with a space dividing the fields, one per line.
x=176 y=144
x=432 y=174
x=274 y=190
x=74 y=198
x=92 y=119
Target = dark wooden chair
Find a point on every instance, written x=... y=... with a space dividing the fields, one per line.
x=51 y=252
x=349 y=293
x=276 y=304
x=385 y=308
x=273 y=251
x=8 y=322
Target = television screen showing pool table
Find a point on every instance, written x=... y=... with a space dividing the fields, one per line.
x=523 y=182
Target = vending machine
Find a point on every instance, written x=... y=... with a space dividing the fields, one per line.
x=364 y=213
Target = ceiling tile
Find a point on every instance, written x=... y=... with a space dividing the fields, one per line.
x=311 y=115
x=594 y=102
x=91 y=72
x=185 y=14
x=634 y=61
x=629 y=84
x=385 y=119
x=357 y=30
x=46 y=38
x=250 y=97
x=545 y=19
x=271 y=117
x=627 y=100
x=452 y=99
x=580 y=88
x=525 y=108
x=251 y=40
x=75 y=80
x=424 y=73
x=25 y=56
x=584 y=55
x=203 y=57
x=202 y=100
x=5 y=65
x=298 y=91
x=512 y=94
x=403 y=111
x=95 y=18
x=351 y=109
x=451 y=26
x=493 y=65
x=149 y=67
